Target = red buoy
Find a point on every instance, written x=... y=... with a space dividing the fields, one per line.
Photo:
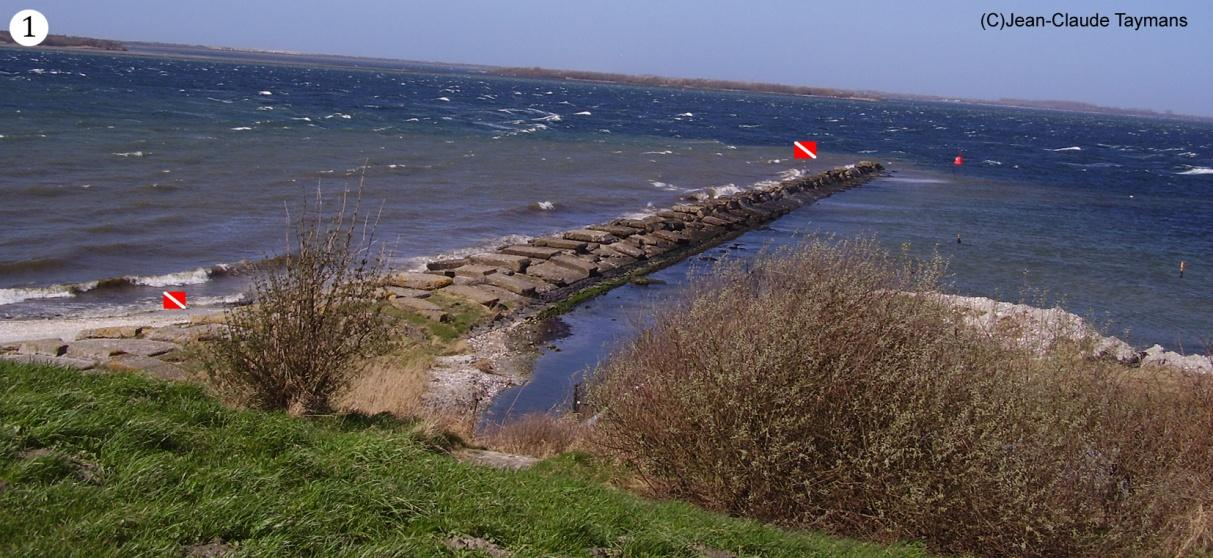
x=959 y=160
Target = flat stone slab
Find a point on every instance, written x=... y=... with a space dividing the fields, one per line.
x=441 y=265
x=626 y=249
x=589 y=235
x=473 y=294
x=561 y=243
x=504 y=296
x=475 y=270
x=511 y=283
x=427 y=309
x=535 y=252
x=421 y=281
x=46 y=360
x=184 y=334
x=114 y=332
x=100 y=349
x=504 y=261
x=149 y=366
x=556 y=274
x=649 y=223
x=575 y=263
x=672 y=236
x=540 y=285
x=616 y=230
x=53 y=346
x=406 y=293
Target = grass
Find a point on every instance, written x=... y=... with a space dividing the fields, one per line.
x=108 y=465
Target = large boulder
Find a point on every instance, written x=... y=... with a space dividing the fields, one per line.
x=470 y=293
x=1159 y=356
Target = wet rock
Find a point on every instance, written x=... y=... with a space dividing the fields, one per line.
x=425 y=308
x=470 y=293
x=588 y=235
x=535 y=252
x=420 y=281
x=47 y=360
x=100 y=349
x=505 y=261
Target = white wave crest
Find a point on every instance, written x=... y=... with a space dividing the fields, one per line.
x=666 y=152
x=126 y=153
x=443 y=99
x=12 y=296
x=240 y=128
x=191 y=277
x=546 y=205
x=265 y=93
x=1197 y=170
x=582 y=113
x=1071 y=148
x=665 y=186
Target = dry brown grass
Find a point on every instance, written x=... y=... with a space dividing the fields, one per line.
x=807 y=390
x=390 y=384
x=537 y=435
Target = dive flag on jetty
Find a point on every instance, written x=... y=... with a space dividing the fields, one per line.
x=174 y=300
x=804 y=149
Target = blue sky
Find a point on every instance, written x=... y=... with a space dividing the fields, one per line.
x=915 y=47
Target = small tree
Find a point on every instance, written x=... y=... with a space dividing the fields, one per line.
x=313 y=317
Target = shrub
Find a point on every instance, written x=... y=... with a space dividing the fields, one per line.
x=811 y=390
x=313 y=317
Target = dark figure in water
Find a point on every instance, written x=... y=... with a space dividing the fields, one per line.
x=958 y=238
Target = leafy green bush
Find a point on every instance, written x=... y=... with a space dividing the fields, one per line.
x=810 y=389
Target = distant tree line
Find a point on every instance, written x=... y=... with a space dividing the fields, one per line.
x=688 y=83
x=69 y=41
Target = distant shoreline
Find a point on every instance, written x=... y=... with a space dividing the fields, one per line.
x=260 y=56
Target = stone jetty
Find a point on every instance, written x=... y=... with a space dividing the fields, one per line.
x=507 y=280
x=549 y=268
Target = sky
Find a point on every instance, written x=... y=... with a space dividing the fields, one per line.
x=927 y=47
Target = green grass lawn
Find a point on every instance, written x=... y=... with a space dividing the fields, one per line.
x=101 y=465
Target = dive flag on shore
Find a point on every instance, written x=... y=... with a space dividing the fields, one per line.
x=174 y=300
x=804 y=149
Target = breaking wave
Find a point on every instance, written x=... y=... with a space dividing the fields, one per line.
x=190 y=277
x=1071 y=148
x=1197 y=170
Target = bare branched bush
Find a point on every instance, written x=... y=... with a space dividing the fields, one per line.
x=313 y=317
x=810 y=390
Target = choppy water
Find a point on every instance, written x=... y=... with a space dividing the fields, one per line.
x=158 y=170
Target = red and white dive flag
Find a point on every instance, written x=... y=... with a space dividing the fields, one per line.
x=804 y=149
x=174 y=300
x=959 y=160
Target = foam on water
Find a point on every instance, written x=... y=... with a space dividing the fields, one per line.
x=1196 y=171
